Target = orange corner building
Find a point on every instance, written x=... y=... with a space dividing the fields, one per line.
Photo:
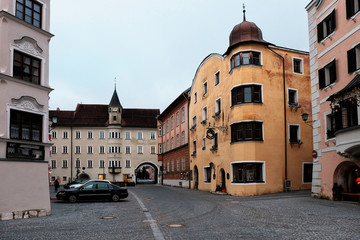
x=246 y=134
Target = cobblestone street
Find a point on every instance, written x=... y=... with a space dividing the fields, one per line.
x=160 y=212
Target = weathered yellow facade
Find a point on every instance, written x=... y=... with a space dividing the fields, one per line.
x=251 y=166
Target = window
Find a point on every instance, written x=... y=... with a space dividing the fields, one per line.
x=173 y=165
x=53 y=134
x=77 y=149
x=102 y=164
x=114 y=149
x=326 y=27
x=205 y=88
x=65 y=149
x=90 y=150
x=77 y=163
x=294 y=134
x=152 y=149
x=246 y=94
x=90 y=164
x=214 y=142
x=25 y=126
x=248 y=172
x=167 y=126
x=64 y=163
x=26 y=68
x=65 y=134
x=352 y=7
x=327 y=75
x=29 y=11
x=347 y=115
x=115 y=135
x=183 y=163
x=353 y=57
x=292 y=97
x=127 y=150
x=90 y=134
x=168 y=166
x=167 y=146
x=53 y=149
x=102 y=135
x=160 y=148
x=64 y=178
x=183 y=138
x=194 y=122
x=114 y=164
x=246 y=131
x=207 y=174
x=177 y=140
x=177 y=119
x=77 y=135
x=245 y=58
x=183 y=115
x=152 y=135
x=195 y=97
x=172 y=143
x=178 y=164
x=127 y=163
x=307 y=172
x=172 y=122
x=53 y=163
x=102 y=150
x=194 y=148
x=160 y=131
x=204 y=144
x=140 y=135
x=127 y=135
x=217 y=106
x=204 y=115
x=217 y=78
x=140 y=149
x=297 y=65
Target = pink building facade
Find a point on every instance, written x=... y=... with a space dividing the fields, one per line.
x=173 y=147
x=334 y=38
x=24 y=95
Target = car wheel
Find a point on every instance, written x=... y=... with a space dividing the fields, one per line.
x=72 y=198
x=115 y=198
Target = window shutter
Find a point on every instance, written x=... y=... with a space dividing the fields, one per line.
x=322 y=78
x=333 y=72
x=351 y=57
x=333 y=19
x=320 y=31
x=349 y=8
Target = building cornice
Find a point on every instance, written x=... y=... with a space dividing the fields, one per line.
x=12 y=79
x=15 y=19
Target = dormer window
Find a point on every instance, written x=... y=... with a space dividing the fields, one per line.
x=245 y=58
x=29 y=11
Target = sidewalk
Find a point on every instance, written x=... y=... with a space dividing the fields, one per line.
x=53 y=193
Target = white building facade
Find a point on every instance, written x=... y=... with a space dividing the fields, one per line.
x=24 y=94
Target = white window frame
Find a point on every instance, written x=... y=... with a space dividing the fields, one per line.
x=301 y=65
x=140 y=149
x=127 y=135
x=140 y=135
x=64 y=163
x=90 y=135
x=90 y=163
x=254 y=161
x=298 y=131
x=218 y=106
x=217 y=78
x=205 y=88
x=296 y=97
x=205 y=174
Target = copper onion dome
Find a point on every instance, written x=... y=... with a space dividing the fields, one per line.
x=245 y=32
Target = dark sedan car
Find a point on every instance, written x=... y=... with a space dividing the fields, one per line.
x=93 y=191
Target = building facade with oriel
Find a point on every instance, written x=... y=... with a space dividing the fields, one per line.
x=104 y=142
x=24 y=94
x=334 y=37
x=246 y=133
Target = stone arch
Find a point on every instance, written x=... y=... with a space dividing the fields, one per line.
x=196 y=177
x=152 y=175
x=345 y=176
x=84 y=176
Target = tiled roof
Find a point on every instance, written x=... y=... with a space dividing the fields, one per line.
x=184 y=96
x=97 y=115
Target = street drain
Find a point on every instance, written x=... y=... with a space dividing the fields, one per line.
x=107 y=217
x=175 y=225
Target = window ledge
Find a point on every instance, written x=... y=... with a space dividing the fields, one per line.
x=330 y=86
x=328 y=37
x=246 y=65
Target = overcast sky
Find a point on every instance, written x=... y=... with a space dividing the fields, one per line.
x=152 y=47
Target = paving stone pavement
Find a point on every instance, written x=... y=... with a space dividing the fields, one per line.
x=188 y=214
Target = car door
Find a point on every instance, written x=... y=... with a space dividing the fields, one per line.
x=88 y=191
x=104 y=190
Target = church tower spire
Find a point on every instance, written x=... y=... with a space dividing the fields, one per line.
x=115 y=109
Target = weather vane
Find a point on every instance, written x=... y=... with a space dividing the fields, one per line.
x=244 y=11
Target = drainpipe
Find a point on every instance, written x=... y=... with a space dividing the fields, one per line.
x=285 y=121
